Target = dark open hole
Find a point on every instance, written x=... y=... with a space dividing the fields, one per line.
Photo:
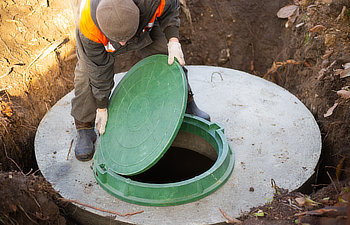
x=178 y=164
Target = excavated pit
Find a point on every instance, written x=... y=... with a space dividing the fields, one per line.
x=269 y=130
x=241 y=32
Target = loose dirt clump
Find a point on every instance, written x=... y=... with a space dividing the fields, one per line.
x=328 y=206
x=27 y=200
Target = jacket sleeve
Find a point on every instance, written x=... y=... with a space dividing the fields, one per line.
x=169 y=21
x=99 y=66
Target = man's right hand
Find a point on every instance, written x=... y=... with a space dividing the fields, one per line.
x=101 y=120
x=175 y=51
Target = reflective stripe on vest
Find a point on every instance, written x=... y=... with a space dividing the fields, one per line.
x=91 y=31
x=109 y=47
x=158 y=13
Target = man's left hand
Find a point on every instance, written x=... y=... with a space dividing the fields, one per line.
x=175 y=51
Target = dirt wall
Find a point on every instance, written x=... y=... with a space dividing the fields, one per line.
x=37 y=60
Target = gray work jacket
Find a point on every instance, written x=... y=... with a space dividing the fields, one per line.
x=99 y=63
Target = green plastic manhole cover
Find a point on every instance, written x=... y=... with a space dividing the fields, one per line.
x=145 y=113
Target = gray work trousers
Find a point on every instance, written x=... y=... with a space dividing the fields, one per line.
x=84 y=104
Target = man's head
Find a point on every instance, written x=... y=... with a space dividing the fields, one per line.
x=118 y=19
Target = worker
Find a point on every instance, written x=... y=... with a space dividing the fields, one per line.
x=111 y=27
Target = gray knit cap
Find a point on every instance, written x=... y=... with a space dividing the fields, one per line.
x=118 y=19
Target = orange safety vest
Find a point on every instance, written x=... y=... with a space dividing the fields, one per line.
x=89 y=29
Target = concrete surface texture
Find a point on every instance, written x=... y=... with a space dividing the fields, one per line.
x=273 y=136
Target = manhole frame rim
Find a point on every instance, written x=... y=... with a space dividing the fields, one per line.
x=225 y=159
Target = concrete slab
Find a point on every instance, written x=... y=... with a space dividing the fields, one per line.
x=273 y=136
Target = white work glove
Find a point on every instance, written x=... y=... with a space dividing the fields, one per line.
x=175 y=51
x=101 y=120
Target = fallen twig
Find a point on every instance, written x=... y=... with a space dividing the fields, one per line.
x=276 y=65
x=13 y=161
x=70 y=148
x=21 y=208
x=335 y=187
x=31 y=170
x=102 y=210
x=329 y=211
x=47 y=50
x=252 y=67
x=229 y=219
x=292 y=206
x=5 y=120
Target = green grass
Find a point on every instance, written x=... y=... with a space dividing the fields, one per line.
x=307 y=38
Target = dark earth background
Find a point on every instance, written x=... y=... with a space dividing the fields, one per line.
x=38 y=58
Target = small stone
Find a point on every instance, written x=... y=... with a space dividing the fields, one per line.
x=224 y=56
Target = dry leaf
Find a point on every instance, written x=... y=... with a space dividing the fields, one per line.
x=259 y=213
x=330 y=110
x=344 y=94
x=292 y=18
x=321 y=73
x=345 y=73
x=339 y=169
x=326 y=201
x=5 y=108
x=311 y=203
x=301 y=201
x=317 y=28
x=329 y=39
x=327 y=54
x=338 y=72
x=319 y=212
x=287 y=11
